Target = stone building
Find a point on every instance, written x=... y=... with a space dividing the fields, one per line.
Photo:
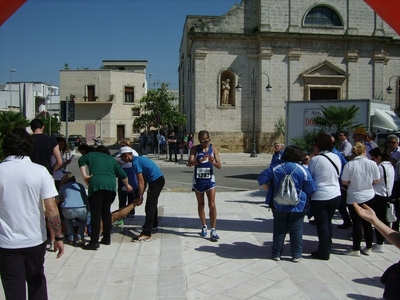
x=106 y=100
x=305 y=50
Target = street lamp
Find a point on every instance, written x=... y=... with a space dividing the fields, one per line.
x=151 y=74
x=389 y=89
x=11 y=71
x=253 y=93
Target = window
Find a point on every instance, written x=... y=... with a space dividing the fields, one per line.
x=324 y=94
x=322 y=16
x=129 y=94
x=91 y=93
x=136 y=112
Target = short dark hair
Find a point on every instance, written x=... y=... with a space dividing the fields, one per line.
x=18 y=142
x=345 y=133
x=85 y=148
x=323 y=142
x=203 y=132
x=385 y=155
x=36 y=124
x=103 y=149
x=292 y=153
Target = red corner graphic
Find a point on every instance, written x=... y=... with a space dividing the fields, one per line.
x=8 y=7
x=388 y=10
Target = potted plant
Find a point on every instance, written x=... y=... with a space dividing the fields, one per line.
x=71 y=97
x=111 y=97
x=95 y=98
x=85 y=98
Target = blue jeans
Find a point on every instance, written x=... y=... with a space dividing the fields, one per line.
x=323 y=212
x=70 y=214
x=284 y=222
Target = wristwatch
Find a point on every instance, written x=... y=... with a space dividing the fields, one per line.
x=59 y=238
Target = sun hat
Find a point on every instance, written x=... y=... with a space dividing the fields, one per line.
x=126 y=149
x=360 y=130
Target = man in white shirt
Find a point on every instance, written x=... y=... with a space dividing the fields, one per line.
x=345 y=145
x=24 y=188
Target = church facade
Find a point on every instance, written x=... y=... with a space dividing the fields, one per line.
x=238 y=70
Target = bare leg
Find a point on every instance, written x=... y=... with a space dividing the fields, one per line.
x=200 y=207
x=212 y=207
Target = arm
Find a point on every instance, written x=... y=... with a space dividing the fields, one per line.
x=215 y=159
x=192 y=158
x=85 y=177
x=55 y=224
x=128 y=186
x=369 y=215
x=57 y=156
x=141 y=185
x=265 y=186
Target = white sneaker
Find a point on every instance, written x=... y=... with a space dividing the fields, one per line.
x=352 y=252
x=378 y=248
x=366 y=251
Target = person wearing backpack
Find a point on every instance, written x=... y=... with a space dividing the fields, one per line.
x=288 y=184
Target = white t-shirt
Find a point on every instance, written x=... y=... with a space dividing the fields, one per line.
x=325 y=176
x=23 y=185
x=360 y=172
x=382 y=189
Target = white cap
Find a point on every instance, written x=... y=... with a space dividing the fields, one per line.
x=126 y=149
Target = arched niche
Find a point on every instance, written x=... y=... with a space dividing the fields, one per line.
x=227 y=89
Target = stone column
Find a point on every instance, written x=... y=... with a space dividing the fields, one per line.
x=294 y=91
x=352 y=86
x=199 y=89
x=264 y=99
x=378 y=91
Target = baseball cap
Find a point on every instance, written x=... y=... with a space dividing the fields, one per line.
x=126 y=149
x=360 y=130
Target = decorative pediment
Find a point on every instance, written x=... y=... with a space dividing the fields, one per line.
x=324 y=72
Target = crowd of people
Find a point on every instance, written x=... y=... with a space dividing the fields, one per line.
x=330 y=179
x=358 y=179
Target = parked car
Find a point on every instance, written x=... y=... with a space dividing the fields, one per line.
x=77 y=139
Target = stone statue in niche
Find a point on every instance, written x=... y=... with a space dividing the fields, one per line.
x=225 y=92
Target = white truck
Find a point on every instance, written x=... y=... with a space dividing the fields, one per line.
x=375 y=116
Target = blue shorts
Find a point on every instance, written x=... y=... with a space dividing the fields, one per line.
x=203 y=187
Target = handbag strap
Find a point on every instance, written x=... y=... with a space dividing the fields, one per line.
x=327 y=157
x=384 y=177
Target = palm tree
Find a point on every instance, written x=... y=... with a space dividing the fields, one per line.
x=10 y=120
x=337 y=118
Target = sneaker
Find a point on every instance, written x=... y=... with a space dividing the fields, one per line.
x=366 y=251
x=119 y=222
x=352 y=252
x=312 y=222
x=142 y=238
x=213 y=235
x=296 y=259
x=378 y=248
x=105 y=242
x=203 y=232
x=276 y=258
x=71 y=242
x=80 y=242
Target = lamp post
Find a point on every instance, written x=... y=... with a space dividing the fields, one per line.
x=253 y=78
x=151 y=74
x=389 y=89
x=11 y=71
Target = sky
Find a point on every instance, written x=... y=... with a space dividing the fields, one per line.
x=43 y=35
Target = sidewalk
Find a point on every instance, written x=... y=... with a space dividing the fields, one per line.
x=179 y=264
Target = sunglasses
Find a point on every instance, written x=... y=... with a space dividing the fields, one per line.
x=204 y=141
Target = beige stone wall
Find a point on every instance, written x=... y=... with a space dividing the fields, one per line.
x=269 y=37
x=106 y=114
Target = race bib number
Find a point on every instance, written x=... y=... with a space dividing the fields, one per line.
x=203 y=173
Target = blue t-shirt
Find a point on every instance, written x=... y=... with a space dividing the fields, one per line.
x=147 y=167
x=74 y=195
